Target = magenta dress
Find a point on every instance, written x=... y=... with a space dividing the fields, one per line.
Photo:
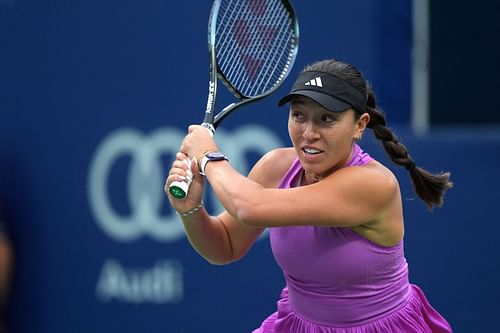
x=339 y=282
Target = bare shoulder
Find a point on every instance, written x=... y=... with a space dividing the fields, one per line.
x=381 y=177
x=373 y=181
x=379 y=172
x=269 y=170
x=381 y=195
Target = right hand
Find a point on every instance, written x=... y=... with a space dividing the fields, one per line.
x=178 y=172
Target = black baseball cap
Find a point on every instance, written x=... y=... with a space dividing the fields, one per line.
x=330 y=91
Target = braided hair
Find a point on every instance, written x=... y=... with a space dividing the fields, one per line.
x=429 y=187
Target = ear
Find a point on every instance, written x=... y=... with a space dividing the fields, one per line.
x=361 y=124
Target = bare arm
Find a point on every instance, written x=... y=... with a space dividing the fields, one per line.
x=348 y=197
x=223 y=239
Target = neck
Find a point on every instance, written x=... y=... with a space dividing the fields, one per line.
x=310 y=178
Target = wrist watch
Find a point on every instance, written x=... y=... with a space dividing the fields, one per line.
x=209 y=157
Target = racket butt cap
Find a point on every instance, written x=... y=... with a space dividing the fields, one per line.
x=178 y=189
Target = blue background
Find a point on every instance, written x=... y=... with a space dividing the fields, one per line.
x=74 y=74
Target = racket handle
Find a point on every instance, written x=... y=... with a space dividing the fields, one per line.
x=180 y=189
x=209 y=127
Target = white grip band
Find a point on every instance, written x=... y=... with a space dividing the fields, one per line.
x=180 y=189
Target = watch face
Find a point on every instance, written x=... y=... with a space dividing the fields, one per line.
x=216 y=156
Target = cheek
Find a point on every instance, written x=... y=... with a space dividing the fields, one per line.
x=293 y=130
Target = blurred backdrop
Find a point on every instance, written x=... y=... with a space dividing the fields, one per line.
x=95 y=97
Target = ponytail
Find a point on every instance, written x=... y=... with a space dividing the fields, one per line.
x=429 y=187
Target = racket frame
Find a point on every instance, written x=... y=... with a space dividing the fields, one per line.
x=212 y=121
x=179 y=189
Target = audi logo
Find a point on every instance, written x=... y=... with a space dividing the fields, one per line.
x=146 y=175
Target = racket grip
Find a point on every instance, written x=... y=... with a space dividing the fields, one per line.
x=180 y=189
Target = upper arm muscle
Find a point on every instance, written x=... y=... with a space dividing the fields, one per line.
x=349 y=197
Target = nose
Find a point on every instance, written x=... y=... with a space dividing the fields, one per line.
x=310 y=131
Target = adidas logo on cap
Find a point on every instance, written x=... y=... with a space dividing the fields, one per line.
x=315 y=82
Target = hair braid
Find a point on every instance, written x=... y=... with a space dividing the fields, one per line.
x=429 y=187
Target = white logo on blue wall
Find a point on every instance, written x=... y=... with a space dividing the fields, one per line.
x=146 y=177
x=162 y=283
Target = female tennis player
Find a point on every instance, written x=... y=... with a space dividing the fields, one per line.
x=335 y=214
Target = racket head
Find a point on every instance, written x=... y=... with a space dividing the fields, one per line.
x=253 y=45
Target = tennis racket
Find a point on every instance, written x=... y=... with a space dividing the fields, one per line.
x=252 y=46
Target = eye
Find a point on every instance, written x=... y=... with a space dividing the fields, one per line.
x=298 y=115
x=328 y=118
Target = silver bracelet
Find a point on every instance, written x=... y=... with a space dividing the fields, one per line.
x=192 y=211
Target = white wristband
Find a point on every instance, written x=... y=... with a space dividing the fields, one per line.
x=203 y=164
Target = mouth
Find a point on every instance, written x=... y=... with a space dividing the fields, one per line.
x=310 y=151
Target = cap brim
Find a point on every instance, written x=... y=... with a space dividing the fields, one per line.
x=328 y=102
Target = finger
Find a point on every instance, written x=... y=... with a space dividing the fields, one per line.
x=181 y=156
x=183 y=167
x=193 y=128
x=175 y=177
x=177 y=171
x=194 y=167
x=179 y=164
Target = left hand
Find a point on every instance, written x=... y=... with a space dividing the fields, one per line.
x=198 y=141
x=179 y=172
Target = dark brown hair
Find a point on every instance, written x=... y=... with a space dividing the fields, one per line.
x=429 y=187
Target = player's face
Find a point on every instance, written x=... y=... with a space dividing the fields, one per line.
x=322 y=139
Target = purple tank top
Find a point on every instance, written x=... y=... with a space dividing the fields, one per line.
x=334 y=276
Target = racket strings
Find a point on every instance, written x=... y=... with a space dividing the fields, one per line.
x=254 y=44
x=273 y=66
x=283 y=58
x=256 y=53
